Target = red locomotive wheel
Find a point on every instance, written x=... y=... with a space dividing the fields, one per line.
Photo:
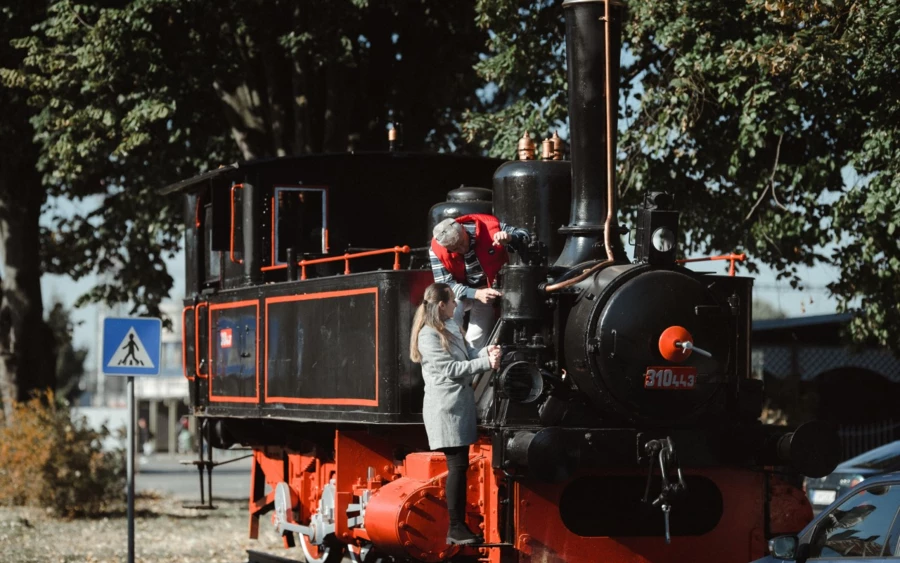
x=331 y=551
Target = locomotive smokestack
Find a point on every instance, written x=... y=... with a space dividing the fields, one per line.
x=592 y=49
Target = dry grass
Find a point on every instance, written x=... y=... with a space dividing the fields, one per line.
x=164 y=533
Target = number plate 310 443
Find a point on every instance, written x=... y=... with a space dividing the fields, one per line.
x=670 y=378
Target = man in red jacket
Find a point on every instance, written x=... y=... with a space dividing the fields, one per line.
x=467 y=254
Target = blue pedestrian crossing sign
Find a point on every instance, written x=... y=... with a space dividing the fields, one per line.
x=131 y=345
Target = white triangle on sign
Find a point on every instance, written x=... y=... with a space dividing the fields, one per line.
x=131 y=353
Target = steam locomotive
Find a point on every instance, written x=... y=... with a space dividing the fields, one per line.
x=622 y=424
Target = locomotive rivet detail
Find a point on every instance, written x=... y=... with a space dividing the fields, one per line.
x=525 y=544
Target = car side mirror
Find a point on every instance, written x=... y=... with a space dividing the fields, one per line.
x=784 y=547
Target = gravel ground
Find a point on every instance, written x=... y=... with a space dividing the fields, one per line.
x=164 y=533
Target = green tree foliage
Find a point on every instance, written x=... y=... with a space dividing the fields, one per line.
x=134 y=95
x=752 y=113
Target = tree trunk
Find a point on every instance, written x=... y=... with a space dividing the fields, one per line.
x=27 y=348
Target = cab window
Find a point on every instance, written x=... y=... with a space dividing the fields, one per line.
x=300 y=221
x=212 y=265
x=860 y=526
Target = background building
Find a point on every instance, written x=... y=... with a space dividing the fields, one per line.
x=810 y=372
x=161 y=400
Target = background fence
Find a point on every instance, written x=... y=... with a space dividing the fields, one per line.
x=859 y=438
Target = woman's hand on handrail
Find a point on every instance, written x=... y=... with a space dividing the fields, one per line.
x=494 y=356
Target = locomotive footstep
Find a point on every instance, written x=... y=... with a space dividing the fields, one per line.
x=254 y=556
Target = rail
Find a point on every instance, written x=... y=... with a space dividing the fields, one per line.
x=730 y=257
x=397 y=251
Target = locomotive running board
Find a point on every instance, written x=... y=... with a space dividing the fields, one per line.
x=260 y=557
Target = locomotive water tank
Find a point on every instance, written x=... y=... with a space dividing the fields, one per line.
x=534 y=194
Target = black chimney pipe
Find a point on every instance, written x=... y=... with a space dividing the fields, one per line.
x=593 y=145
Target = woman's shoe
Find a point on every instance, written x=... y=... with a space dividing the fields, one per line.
x=460 y=534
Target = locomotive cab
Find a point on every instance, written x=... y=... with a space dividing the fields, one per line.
x=265 y=244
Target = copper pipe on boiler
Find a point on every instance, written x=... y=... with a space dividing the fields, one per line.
x=612 y=99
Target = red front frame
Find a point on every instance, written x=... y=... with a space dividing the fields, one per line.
x=539 y=533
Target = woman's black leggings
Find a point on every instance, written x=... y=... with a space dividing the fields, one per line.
x=457 y=464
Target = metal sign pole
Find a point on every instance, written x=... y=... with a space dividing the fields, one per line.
x=129 y=468
x=131 y=347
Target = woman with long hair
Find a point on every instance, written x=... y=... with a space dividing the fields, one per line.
x=449 y=367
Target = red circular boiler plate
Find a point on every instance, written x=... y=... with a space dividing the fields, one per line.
x=667 y=341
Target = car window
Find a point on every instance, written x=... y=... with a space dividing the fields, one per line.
x=859 y=526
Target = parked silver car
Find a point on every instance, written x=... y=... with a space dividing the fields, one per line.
x=824 y=491
x=861 y=526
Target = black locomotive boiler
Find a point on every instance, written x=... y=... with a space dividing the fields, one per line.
x=622 y=424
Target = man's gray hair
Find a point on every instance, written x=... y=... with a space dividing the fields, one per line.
x=448 y=233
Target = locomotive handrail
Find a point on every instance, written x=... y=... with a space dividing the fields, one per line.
x=730 y=257
x=197 y=339
x=231 y=233
x=184 y=369
x=397 y=250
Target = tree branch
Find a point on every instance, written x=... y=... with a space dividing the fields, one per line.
x=770 y=184
x=774 y=167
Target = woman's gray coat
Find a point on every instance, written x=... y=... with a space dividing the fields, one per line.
x=449 y=406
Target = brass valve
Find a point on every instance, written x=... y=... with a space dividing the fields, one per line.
x=525 y=148
x=559 y=147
